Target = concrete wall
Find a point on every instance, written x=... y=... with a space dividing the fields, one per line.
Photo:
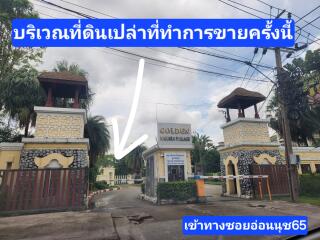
x=107 y=174
x=59 y=122
x=245 y=130
x=39 y=155
x=10 y=153
x=308 y=155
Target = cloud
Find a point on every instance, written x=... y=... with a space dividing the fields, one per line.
x=169 y=93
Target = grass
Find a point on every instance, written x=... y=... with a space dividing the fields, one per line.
x=315 y=200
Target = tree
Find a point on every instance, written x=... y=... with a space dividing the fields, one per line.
x=13 y=58
x=306 y=125
x=7 y=133
x=99 y=137
x=20 y=92
x=204 y=155
x=135 y=160
x=64 y=66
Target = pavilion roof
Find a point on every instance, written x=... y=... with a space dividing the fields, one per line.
x=62 y=77
x=241 y=97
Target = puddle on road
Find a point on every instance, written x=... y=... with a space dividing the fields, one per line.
x=136 y=218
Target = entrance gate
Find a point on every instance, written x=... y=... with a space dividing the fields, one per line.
x=277 y=176
x=43 y=189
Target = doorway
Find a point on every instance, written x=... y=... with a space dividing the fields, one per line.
x=232 y=182
x=175 y=173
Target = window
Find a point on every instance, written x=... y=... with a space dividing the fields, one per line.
x=317 y=168
x=9 y=165
x=305 y=168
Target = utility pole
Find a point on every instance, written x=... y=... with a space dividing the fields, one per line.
x=292 y=172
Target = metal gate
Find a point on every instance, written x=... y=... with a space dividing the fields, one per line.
x=278 y=179
x=43 y=189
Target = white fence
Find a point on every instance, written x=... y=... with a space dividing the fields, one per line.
x=125 y=179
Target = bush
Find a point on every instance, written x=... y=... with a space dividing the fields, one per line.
x=101 y=185
x=181 y=191
x=143 y=188
x=310 y=185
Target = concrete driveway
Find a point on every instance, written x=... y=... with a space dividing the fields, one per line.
x=121 y=215
x=164 y=222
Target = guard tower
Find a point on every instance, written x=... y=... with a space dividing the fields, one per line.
x=58 y=138
x=246 y=141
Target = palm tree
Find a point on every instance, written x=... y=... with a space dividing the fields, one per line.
x=202 y=144
x=99 y=137
x=135 y=160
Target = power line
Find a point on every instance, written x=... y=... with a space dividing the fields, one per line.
x=40 y=5
x=196 y=61
x=183 y=66
x=261 y=17
x=247 y=70
x=300 y=18
x=197 y=50
x=261 y=106
x=92 y=10
x=90 y=17
x=311 y=22
x=246 y=84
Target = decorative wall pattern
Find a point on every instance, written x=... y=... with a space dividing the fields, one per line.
x=246 y=131
x=28 y=156
x=246 y=158
x=50 y=125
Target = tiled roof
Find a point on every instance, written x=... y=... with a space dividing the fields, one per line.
x=65 y=76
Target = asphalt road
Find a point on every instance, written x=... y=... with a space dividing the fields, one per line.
x=121 y=215
x=164 y=222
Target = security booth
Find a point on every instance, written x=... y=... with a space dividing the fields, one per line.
x=170 y=159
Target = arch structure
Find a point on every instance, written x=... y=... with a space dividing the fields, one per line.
x=264 y=159
x=231 y=168
x=53 y=160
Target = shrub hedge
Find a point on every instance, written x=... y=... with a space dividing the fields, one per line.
x=180 y=191
x=101 y=185
x=310 y=185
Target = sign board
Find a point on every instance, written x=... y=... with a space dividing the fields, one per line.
x=175 y=158
x=174 y=135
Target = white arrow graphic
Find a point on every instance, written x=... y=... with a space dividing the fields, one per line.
x=119 y=147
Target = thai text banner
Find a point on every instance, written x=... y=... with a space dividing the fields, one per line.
x=153 y=32
x=245 y=225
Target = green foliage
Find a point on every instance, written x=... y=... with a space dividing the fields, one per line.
x=204 y=155
x=121 y=167
x=310 y=185
x=308 y=124
x=180 y=191
x=12 y=58
x=99 y=137
x=101 y=185
x=107 y=160
x=20 y=93
x=135 y=161
x=7 y=134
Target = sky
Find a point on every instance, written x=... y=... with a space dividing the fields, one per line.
x=170 y=94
